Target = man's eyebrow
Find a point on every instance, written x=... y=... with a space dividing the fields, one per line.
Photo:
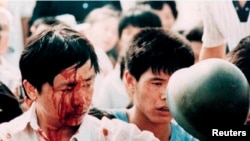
x=89 y=78
x=73 y=83
x=158 y=79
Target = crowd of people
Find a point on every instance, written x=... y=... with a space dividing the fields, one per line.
x=93 y=70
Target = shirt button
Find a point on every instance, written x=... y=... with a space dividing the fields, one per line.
x=85 y=5
x=246 y=8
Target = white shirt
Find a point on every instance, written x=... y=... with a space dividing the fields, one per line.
x=9 y=75
x=112 y=92
x=105 y=66
x=26 y=128
x=222 y=25
x=19 y=10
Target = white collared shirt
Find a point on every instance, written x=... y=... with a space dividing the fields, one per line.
x=26 y=128
x=222 y=25
x=112 y=93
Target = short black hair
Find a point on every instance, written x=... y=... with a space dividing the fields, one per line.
x=98 y=113
x=195 y=34
x=122 y=66
x=51 y=51
x=158 y=5
x=138 y=17
x=48 y=20
x=160 y=50
x=240 y=56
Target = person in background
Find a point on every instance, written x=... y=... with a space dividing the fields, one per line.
x=131 y=23
x=44 y=23
x=79 y=9
x=195 y=37
x=21 y=12
x=154 y=55
x=228 y=29
x=240 y=57
x=100 y=27
x=9 y=74
x=112 y=91
x=9 y=105
x=58 y=68
x=103 y=29
x=166 y=10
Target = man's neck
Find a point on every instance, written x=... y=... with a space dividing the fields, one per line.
x=161 y=131
x=242 y=3
x=55 y=133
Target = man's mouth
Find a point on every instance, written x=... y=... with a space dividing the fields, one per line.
x=163 y=109
x=75 y=114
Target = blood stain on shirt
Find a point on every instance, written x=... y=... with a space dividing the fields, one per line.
x=105 y=132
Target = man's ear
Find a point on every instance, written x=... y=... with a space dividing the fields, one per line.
x=30 y=90
x=130 y=81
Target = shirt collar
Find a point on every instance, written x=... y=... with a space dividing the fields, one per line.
x=88 y=129
x=242 y=12
x=25 y=119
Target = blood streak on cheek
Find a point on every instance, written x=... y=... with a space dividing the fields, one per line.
x=64 y=109
x=75 y=92
x=66 y=75
x=62 y=106
x=76 y=104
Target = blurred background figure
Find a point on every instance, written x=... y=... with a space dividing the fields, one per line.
x=194 y=36
x=44 y=23
x=103 y=29
x=9 y=104
x=21 y=12
x=241 y=58
x=9 y=74
x=79 y=9
x=166 y=10
x=227 y=30
x=131 y=23
x=113 y=91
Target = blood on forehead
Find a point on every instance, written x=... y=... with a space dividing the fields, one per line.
x=70 y=74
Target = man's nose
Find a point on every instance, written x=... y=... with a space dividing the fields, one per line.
x=78 y=98
x=163 y=93
x=163 y=96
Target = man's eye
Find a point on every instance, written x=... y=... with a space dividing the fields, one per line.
x=157 y=83
x=86 y=85
x=68 y=90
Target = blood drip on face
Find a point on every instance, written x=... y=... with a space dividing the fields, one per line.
x=68 y=110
